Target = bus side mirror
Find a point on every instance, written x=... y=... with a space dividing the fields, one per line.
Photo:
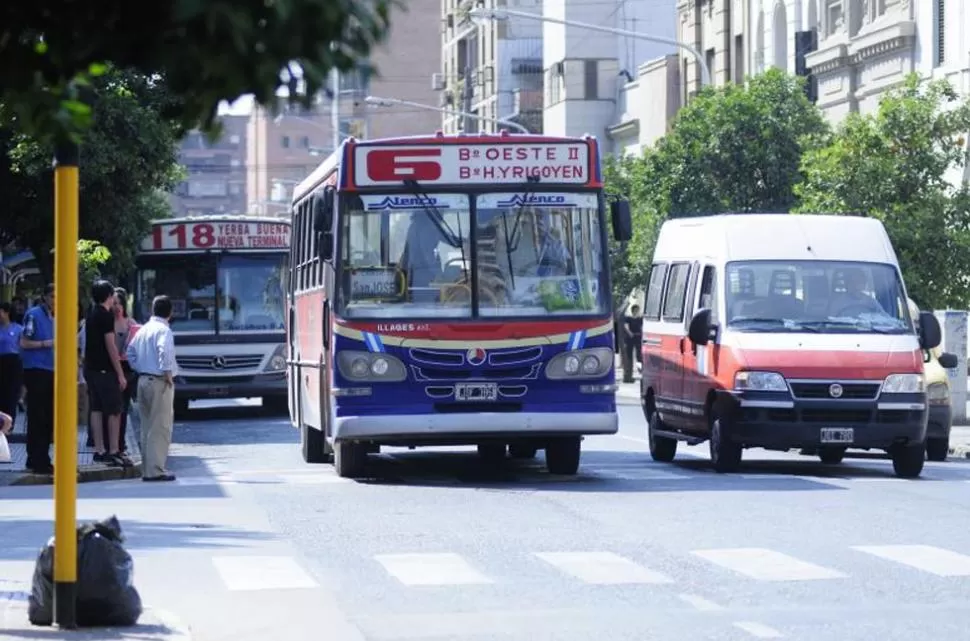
x=323 y=211
x=930 y=333
x=622 y=221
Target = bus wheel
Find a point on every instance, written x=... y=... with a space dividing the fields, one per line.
x=181 y=408
x=350 y=460
x=562 y=455
x=313 y=445
x=491 y=452
x=276 y=405
x=522 y=451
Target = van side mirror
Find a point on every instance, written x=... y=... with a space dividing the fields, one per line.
x=701 y=330
x=622 y=220
x=948 y=360
x=930 y=333
x=323 y=211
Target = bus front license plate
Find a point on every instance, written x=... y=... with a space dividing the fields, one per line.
x=218 y=391
x=838 y=435
x=476 y=392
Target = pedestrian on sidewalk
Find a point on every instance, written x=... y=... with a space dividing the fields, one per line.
x=151 y=354
x=104 y=376
x=125 y=330
x=632 y=342
x=37 y=356
x=11 y=369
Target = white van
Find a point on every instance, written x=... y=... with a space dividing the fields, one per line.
x=783 y=331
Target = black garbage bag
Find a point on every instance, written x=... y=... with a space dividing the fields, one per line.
x=106 y=595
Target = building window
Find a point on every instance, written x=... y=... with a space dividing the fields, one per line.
x=305 y=142
x=834 y=17
x=234 y=139
x=207 y=188
x=939 y=21
x=738 y=59
x=591 y=79
x=285 y=142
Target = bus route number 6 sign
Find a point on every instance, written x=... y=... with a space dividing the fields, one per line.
x=395 y=165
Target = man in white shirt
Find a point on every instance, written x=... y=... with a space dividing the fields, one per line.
x=151 y=355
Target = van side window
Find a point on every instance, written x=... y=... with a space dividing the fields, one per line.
x=655 y=292
x=676 y=292
x=708 y=298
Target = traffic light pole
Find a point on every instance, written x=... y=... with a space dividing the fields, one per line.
x=66 y=158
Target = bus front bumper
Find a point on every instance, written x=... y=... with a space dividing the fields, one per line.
x=260 y=385
x=457 y=429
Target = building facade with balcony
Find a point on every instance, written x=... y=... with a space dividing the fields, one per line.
x=492 y=69
x=215 y=181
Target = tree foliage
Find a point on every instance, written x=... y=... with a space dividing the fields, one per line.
x=207 y=51
x=897 y=165
x=129 y=159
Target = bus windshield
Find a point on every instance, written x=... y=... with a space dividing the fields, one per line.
x=411 y=256
x=234 y=293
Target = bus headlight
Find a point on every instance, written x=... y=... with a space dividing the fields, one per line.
x=580 y=364
x=362 y=367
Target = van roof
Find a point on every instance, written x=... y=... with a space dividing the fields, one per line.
x=727 y=237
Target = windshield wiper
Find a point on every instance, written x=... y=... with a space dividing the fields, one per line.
x=787 y=324
x=531 y=182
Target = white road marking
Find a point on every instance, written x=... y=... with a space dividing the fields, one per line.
x=766 y=565
x=261 y=573
x=758 y=630
x=431 y=569
x=601 y=568
x=634 y=473
x=927 y=558
x=700 y=603
x=313 y=479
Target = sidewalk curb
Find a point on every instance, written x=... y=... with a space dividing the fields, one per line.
x=85 y=474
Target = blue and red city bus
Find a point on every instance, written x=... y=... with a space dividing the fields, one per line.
x=452 y=290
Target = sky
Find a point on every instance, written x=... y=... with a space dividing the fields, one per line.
x=243 y=106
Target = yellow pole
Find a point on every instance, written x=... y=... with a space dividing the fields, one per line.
x=65 y=384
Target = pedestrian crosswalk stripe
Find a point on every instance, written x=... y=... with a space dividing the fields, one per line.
x=247 y=573
x=431 y=569
x=700 y=603
x=758 y=630
x=927 y=558
x=766 y=565
x=602 y=568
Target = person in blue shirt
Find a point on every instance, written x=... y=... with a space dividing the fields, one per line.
x=37 y=356
x=10 y=369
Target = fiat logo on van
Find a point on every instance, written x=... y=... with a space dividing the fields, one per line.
x=835 y=390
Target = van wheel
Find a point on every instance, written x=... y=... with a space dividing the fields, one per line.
x=662 y=448
x=350 y=460
x=831 y=455
x=725 y=454
x=562 y=455
x=908 y=460
x=937 y=448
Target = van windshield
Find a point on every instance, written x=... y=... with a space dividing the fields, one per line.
x=816 y=296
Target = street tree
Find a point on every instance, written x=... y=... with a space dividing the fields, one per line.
x=130 y=160
x=903 y=164
x=208 y=51
x=736 y=148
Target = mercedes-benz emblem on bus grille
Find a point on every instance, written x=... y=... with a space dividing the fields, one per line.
x=475 y=356
x=219 y=362
x=835 y=390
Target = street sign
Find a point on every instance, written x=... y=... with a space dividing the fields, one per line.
x=196 y=236
x=473 y=162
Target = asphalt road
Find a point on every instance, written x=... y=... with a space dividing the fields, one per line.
x=253 y=544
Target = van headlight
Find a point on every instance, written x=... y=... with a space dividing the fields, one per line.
x=760 y=382
x=277 y=362
x=903 y=384
x=368 y=367
x=938 y=394
x=580 y=364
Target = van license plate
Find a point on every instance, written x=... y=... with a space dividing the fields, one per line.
x=840 y=435
x=218 y=391
x=476 y=392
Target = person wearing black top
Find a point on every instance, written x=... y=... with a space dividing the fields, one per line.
x=104 y=375
x=632 y=341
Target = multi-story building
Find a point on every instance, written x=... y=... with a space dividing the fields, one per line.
x=284 y=149
x=491 y=69
x=216 y=172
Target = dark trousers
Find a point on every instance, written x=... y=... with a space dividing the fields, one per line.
x=126 y=397
x=11 y=378
x=631 y=351
x=40 y=416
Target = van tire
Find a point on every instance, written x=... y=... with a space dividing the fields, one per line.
x=662 y=448
x=562 y=455
x=908 y=460
x=937 y=449
x=350 y=460
x=725 y=453
x=831 y=455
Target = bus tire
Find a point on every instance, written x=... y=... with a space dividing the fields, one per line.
x=313 y=445
x=522 y=451
x=181 y=408
x=492 y=453
x=562 y=455
x=349 y=460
